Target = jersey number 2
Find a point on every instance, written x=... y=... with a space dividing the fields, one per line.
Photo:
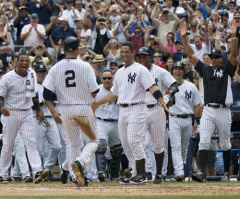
x=69 y=78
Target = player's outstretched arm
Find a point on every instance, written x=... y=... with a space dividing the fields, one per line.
x=4 y=110
x=159 y=97
x=38 y=110
x=109 y=98
x=183 y=33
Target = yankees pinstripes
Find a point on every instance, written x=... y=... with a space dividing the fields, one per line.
x=13 y=89
x=180 y=129
x=73 y=81
x=22 y=122
x=215 y=118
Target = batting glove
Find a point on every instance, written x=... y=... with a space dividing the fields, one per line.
x=166 y=98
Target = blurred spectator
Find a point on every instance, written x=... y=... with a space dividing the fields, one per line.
x=34 y=6
x=236 y=87
x=114 y=66
x=188 y=73
x=86 y=31
x=99 y=6
x=33 y=33
x=157 y=56
x=211 y=30
x=4 y=35
x=101 y=35
x=79 y=8
x=169 y=64
x=139 y=22
x=165 y=25
x=177 y=56
x=46 y=12
x=1 y=73
x=112 y=51
x=20 y=21
x=70 y=13
x=114 y=16
x=8 y=28
x=193 y=30
x=78 y=29
x=6 y=56
x=99 y=64
x=161 y=64
x=118 y=31
x=171 y=48
x=61 y=32
x=232 y=9
x=215 y=19
x=39 y=50
x=58 y=6
x=207 y=7
x=91 y=14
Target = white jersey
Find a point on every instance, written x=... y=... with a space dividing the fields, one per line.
x=104 y=111
x=73 y=81
x=131 y=83
x=186 y=98
x=13 y=88
x=44 y=107
x=163 y=80
x=201 y=52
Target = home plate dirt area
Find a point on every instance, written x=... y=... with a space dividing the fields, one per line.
x=104 y=189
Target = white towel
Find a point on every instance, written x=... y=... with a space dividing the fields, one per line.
x=31 y=83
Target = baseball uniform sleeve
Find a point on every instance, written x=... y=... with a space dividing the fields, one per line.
x=196 y=96
x=91 y=80
x=114 y=88
x=49 y=81
x=167 y=78
x=3 y=86
x=231 y=69
x=200 y=67
x=146 y=79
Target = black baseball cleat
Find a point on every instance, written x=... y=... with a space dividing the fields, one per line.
x=124 y=181
x=78 y=170
x=41 y=175
x=159 y=179
x=101 y=176
x=149 y=176
x=179 y=178
x=3 y=180
x=16 y=179
x=199 y=176
x=64 y=176
x=28 y=179
x=225 y=177
x=138 y=179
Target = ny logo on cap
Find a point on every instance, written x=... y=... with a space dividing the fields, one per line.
x=41 y=66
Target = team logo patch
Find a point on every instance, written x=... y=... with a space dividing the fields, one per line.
x=219 y=73
x=188 y=95
x=131 y=78
x=28 y=82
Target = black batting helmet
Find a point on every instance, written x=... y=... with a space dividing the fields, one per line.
x=178 y=64
x=71 y=43
x=144 y=51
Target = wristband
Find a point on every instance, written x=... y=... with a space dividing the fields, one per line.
x=36 y=106
x=157 y=94
x=198 y=120
x=171 y=92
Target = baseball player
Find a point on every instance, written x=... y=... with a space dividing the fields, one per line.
x=47 y=131
x=187 y=103
x=74 y=83
x=17 y=93
x=130 y=85
x=156 y=118
x=107 y=126
x=217 y=100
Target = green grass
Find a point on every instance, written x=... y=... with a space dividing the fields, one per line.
x=122 y=197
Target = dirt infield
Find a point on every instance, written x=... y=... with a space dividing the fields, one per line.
x=115 y=189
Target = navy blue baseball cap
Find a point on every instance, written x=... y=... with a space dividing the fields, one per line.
x=40 y=67
x=216 y=52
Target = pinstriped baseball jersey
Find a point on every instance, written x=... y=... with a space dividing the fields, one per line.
x=104 y=112
x=13 y=89
x=45 y=109
x=163 y=80
x=187 y=97
x=131 y=82
x=73 y=90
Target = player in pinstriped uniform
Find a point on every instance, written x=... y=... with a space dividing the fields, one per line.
x=74 y=83
x=187 y=102
x=156 y=118
x=17 y=117
x=217 y=100
x=107 y=126
x=130 y=85
x=48 y=129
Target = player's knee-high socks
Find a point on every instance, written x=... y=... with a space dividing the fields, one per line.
x=227 y=160
x=159 y=162
x=203 y=156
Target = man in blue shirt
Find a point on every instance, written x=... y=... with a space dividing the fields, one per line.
x=34 y=6
x=46 y=12
x=21 y=20
x=62 y=32
x=207 y=8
